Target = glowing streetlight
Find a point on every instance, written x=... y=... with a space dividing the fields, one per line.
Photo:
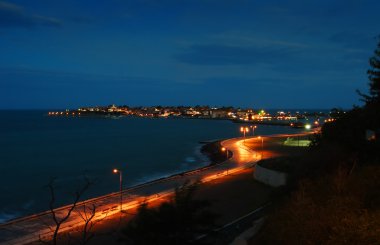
x=262 y=145
x=253 y=127
x=224 y=149
x=244 y=130
x=115 y=171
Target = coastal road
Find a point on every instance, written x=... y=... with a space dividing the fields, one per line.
x=41 y=226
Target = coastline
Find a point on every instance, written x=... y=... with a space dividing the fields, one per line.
x=213 y=152
x=210 y=158
x=69 y=148
x=210 y=150
x=151 y=191
x=209 y=155
x=34 y=226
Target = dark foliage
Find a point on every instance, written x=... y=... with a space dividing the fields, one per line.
x=336 y=189
x=350 y=130
x=174 y=222
x=336 y=113
x=372 y=101
x=374 y=78
x=338 y=208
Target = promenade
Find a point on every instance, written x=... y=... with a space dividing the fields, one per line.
x=40 y=226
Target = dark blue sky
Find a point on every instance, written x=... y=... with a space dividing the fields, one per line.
x=261 y=54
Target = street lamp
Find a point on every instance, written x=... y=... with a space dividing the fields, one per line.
x=244 y=130
x=262 y=146
x=115 y=171
x=226 y=150
x=253 y=127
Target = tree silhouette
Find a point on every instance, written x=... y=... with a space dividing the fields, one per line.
x=372 y=106
x=60 y=218
x=350 y=128
x=87 y=214
x=374 y=78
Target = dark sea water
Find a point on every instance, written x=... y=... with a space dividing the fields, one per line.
x=34 y=148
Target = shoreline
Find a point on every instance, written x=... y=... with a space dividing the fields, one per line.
x=208 y=165
x=150 y=191
x=206 y=153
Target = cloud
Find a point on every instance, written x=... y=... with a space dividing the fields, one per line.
x=217 y=54
x=12 y=15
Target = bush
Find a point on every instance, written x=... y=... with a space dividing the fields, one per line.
x=339 y=208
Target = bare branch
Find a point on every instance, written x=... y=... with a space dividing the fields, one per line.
x=59 y=222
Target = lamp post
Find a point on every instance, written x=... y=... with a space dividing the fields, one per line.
x=226 y=150
x=253 y=129
x=262 y=146
x=244 y=130
x=121 y=186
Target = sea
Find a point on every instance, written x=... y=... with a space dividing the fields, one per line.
x=36 y=149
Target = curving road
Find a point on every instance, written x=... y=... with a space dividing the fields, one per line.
x=32 y=228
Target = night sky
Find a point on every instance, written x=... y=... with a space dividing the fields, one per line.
x=260 y=54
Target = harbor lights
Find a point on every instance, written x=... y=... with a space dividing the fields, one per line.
x=253 y=127
x=244 y=130
x=115 y=171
